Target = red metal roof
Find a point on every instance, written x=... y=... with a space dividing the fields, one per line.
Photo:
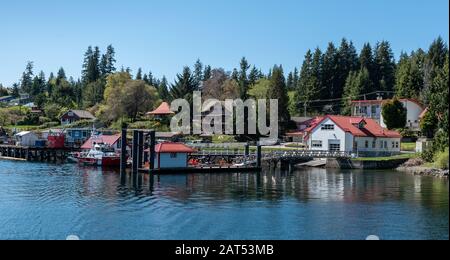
x=349 y=124
x=163 y=109
x=173 y=148
x=105 y=139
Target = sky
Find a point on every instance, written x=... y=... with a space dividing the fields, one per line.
x=163 y=36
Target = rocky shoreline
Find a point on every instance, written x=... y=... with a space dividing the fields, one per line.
x=424 y=171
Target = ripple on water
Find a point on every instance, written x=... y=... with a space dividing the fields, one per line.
x=44 y=201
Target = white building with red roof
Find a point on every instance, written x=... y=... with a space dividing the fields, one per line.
x=372 y=109
x=363 y=136
x=172 y=155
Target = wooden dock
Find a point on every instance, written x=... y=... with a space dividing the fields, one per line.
x=191 y=170
x=36 y=154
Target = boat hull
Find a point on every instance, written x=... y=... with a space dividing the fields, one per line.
x=103 y=162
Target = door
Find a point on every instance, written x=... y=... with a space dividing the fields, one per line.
x=334 y=145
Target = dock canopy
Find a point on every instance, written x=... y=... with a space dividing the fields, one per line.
x=162 y=110
x=173 y=148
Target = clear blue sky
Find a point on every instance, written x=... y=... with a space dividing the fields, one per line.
x=163 y=36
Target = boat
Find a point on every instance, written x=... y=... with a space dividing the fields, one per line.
x=100 y=155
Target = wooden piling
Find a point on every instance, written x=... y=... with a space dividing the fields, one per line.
x=123 y=151
x=135 y=152
x=140 y=149
x=151 y=147
x=258 y=156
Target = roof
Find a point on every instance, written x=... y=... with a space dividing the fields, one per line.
x=163 y=109
x=347 y=124
x=173 y=148
x=380 y=101
x=82 y=114
x=23 y=133
x=299 y=119
x=424 y=112
x=105 y=139
x=167 y=134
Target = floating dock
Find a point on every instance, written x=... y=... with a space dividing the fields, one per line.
x=190 y=170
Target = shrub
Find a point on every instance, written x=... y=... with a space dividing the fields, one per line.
x=219 y=139
x=427 y=155
x=441 y=159
x=49 y=125
x=394 y=114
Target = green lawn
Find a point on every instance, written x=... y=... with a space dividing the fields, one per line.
x=388 y=158
x=408 y=147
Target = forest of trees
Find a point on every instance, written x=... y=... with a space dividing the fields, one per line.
x=325 y=83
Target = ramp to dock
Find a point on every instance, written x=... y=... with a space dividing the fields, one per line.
x=314 y=163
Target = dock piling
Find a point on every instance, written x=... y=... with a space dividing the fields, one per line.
x=140 y=149
x=151 y=147
x=123 y=151
x=135 y=152
x=258 y=156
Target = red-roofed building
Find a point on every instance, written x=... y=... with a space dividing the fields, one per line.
x=172 y=155
x=363 y=136
x=161 y=111
x=372 y=109
x=110 y=140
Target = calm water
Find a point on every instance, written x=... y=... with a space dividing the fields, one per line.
x=39 y=201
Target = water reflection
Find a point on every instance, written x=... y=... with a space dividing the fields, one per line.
x=53 y=201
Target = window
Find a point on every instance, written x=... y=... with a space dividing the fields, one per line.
x=381 y=144
x=374 y=144
x=393 y=144
x=316 y=144
x=385 y=144
x=397 y=145
x=173 y=155
x=367 y=144
x=335 y=147
x=328 y=127
x=374 y=110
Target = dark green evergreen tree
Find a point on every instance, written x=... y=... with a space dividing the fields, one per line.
x=107 y=65
x=207 y=73
x=278 y=90
x=384 y=68
x=243 y=78
x=329 y=72
x=163 y=90
x=139 y=74
x=91 y=65
x=184 y=86
x=357 y=85
x=198 y=73
x=26 y=82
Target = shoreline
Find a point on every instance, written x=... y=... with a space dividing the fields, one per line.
x=424 y=171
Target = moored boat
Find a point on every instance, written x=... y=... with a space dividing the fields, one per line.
x=100 y=155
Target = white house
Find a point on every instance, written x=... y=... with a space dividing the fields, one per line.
x=26 y=138
x=172 y=155
x=372 y=109
x=358 y=135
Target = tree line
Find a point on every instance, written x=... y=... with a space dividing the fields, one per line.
x=326 y=83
